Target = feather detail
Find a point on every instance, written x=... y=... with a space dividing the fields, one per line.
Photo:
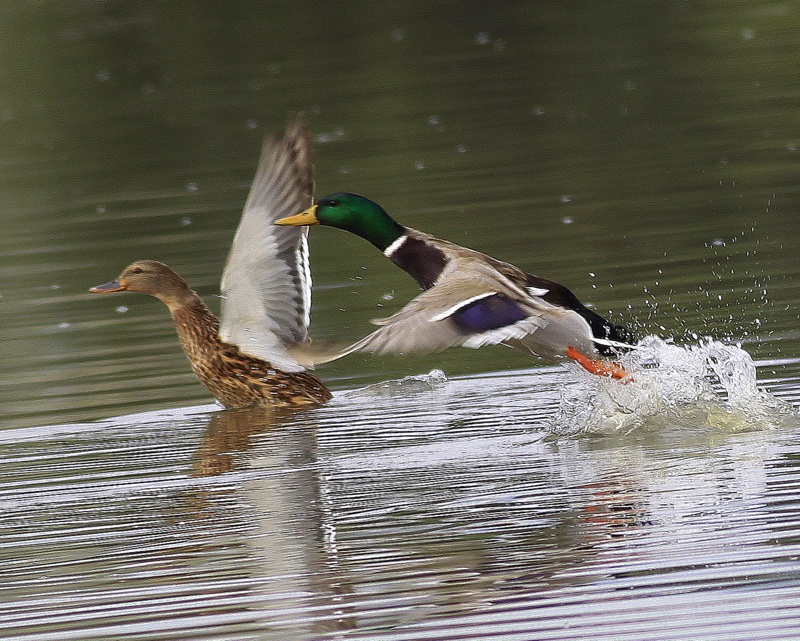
x=266 y=283
x=391 y=249
x=516 y=332
x=458 y=306
x=537 y=291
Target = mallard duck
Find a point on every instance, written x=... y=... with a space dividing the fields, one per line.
x=469 y=298
x=244 y=359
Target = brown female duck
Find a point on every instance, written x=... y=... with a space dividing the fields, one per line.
x=234 y=377
x=244 y=358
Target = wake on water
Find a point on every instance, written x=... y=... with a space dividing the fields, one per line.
x=708 y=385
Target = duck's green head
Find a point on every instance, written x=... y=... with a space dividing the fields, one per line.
x=353 y=213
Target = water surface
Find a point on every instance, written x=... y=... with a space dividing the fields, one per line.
x=370 y=518
x=644 y=155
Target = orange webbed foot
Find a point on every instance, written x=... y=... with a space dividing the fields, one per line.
x=599 y=367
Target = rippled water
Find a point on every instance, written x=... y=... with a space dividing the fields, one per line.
x=645 y=155
x=371 y=518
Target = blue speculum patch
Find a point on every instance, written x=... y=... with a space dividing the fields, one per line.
x=488 y=313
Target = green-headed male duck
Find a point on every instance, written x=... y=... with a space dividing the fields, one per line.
x=469 y=298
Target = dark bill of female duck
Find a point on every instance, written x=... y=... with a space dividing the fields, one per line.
x=108 y=288
x=470 y=298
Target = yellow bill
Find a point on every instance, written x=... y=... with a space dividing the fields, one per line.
x=307 y=217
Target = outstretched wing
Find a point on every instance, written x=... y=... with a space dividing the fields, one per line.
x=471 y=305
x=266 y=283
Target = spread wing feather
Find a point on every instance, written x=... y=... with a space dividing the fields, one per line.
x=266 y=283
x=435 y=320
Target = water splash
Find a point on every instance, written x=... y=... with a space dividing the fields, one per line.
x=406 y=386
x=708 y=385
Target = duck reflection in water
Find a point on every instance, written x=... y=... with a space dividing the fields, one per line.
x=229 y=435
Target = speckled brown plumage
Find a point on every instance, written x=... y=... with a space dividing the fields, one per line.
x=236 y=379
x=233 y=377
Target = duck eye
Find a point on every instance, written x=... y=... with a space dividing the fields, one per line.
x=332 y=203
x=136 y=270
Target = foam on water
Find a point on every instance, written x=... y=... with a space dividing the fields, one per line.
x=406 y=386
x=708 y=385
